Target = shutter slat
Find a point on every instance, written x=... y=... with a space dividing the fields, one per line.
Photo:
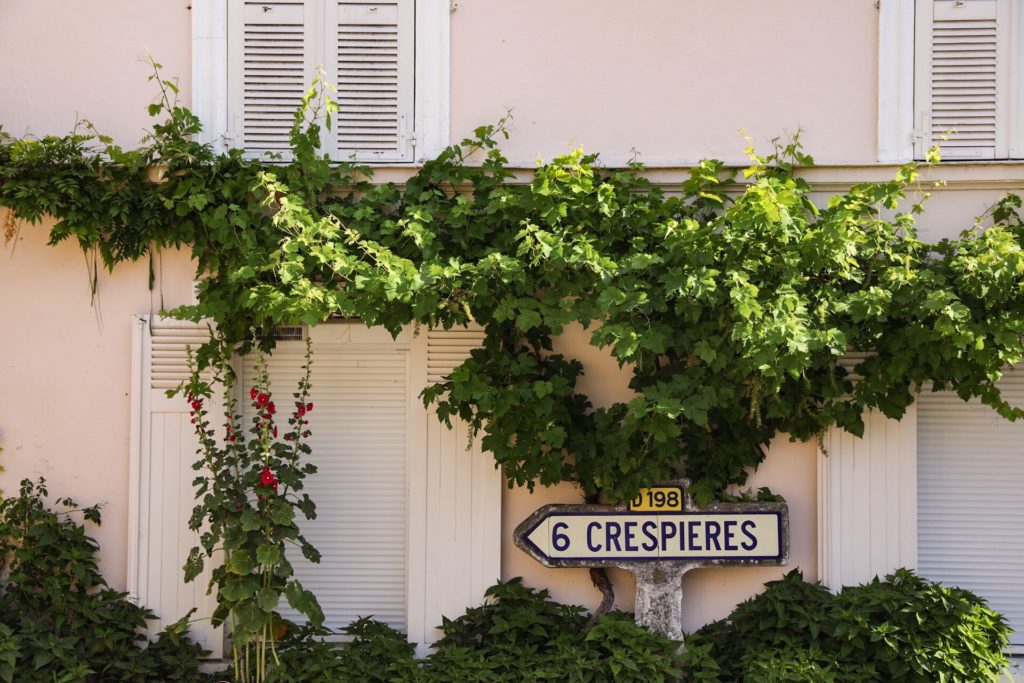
x=358 y=444
x=970 y=506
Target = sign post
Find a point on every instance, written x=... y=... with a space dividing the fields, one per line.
x=659 y=536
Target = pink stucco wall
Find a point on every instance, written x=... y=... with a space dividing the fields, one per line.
x=674 y=80
x=64 y=374
x=61 y=61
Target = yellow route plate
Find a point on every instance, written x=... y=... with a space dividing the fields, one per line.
x=658 y=499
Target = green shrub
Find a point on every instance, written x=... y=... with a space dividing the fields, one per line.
x=376 y=654
x=59 y=621
x=904 y=628
x=521 y=635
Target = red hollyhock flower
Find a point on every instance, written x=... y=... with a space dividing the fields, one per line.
x=253 y=393
x=267 y=478
x=197 y=404
x=271 y=408
x=275 y=432
x=262 y=400
x=301 y=411
x=309 y=407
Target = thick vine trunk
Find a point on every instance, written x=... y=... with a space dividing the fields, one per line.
x=599 y=577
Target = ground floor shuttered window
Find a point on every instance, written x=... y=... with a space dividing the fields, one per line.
x=970 y=480
x=408 y=511
x=359 y=445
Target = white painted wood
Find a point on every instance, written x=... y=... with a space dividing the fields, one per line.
x=895 y=80
x=1016 y=76
x=370 y=58
x=210 y=70
x=273 y=52
x=962 y=78
x=433 y=77
x=359 y=443
x=160 y=487
x=259 y=122
x=462 y=499
x=867 y=523
x=970 y=507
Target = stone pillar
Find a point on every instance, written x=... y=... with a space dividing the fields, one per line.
x=659 y=598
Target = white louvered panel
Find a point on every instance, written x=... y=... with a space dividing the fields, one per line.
x=371 y=55
x=461 y=498
x=971 y=498
x=850 y=360
x=164 y=446
x=359 y=431
x=447 y=349
x=962 y=77
x=169 y=342
x=963 y=83
x=269 y=69
x=867 y=500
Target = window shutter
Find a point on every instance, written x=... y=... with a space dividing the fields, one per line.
x=867 y=491
x=970 y=506
x=463 y=499
x=370 y=58
x=962 y=78
x=163 y=449
x=359 y=445
x=272 y=51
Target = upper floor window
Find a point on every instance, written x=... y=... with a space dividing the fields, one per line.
x=950 y=75
x=964 y=89
x=387 y=59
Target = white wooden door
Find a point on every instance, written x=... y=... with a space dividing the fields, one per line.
x=163 y=448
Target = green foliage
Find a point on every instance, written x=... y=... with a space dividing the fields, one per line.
x=520 y=636
x=730 y=304
x=59 y=621
x=249 y=495
x=902 y=629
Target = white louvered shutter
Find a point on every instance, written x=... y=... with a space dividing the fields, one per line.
x=463 y=498
x=962 y=78
x=867 y=500
x=971 y=498
x=272 y=54
x=161 y=495
x=359 y=444
x=370 y=58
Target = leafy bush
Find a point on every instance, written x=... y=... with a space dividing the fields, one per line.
x=376 y=654
x=904 y=628
x=521 y=635
x=59 y=621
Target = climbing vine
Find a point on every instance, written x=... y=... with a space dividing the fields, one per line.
x=731 y=299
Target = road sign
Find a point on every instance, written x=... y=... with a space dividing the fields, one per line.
x=658 y=537
x=584 y=536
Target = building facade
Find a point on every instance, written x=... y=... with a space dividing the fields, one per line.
x=870 y=84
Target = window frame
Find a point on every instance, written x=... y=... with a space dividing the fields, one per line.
x=432 y=81
x=898 y=133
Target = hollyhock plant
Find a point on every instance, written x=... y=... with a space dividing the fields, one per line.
x=249 y=490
